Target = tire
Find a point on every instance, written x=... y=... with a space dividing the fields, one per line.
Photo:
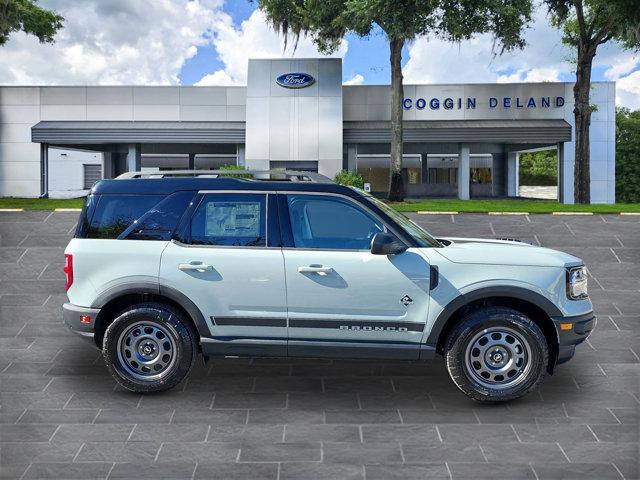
x=149 y=348
x=496 y=354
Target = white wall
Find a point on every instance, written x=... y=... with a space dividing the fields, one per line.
x=23 y=107
x=66 y=172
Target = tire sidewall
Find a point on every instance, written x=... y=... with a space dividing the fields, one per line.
x=169 y=320
x=484 y=319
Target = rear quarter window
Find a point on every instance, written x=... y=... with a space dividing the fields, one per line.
x=115 y=213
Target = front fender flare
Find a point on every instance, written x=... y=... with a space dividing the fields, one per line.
x=507 y=291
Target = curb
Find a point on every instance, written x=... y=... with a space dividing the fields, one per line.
x=571 y=213
x=436 y=213
x=630 y=214
x=11 y=209
x=507 y=213
x=67 y=210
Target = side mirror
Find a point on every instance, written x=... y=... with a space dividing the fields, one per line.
x=385 y=244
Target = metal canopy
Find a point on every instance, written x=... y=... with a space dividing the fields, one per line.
x=56 y=132
x=453 y=131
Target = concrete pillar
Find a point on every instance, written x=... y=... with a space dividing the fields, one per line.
x=513 y=167
x=463 y=171
x=562 y=193
x=134 y=161
x=241 y=156
x=192 y=161
x=44 y=170
x=351 y=157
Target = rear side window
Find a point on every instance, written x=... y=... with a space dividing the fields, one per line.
x=159 y=222
x=230 y=220
x=114 y=213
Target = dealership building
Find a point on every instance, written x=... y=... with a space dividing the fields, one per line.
x=460 y=140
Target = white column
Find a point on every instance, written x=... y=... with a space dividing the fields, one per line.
x=134 y=161
x=463 y=171
x=513 y=167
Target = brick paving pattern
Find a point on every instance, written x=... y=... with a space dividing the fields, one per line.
x=62 y=416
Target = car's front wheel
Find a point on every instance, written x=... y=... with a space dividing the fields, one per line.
x=496 y=354
x=149 y=348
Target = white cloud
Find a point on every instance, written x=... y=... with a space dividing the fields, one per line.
x=436 y=61
x=114 y=42
x=545 y=58
x=628 y=91
x=357 y=79
x=253 y=39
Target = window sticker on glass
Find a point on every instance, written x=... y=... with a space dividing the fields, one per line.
x=233 y=219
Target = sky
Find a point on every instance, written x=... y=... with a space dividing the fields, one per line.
x=208 y=42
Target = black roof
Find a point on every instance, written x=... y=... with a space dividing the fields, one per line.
x=165 y=186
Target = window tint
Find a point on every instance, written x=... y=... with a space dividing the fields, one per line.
x=330 y=223
x=160 y=221
x=230 y=219
x=82 y=230
x=114 y=213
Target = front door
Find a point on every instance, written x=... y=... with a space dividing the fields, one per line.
x=342 y=300
x=228 y=268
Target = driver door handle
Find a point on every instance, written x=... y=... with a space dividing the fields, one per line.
x=198 y=266
x=319 y=269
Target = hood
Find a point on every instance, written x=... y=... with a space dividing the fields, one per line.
x=503 y=252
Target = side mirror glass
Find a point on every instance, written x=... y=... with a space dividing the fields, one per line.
x=386 y=244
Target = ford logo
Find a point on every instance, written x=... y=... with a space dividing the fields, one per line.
x=295 y=80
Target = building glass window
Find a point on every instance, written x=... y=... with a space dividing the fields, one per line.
x=480 y=175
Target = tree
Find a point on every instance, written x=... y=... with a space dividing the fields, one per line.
x=328 y=21
x=627 y=156
x=28 y=17
x=587 y=24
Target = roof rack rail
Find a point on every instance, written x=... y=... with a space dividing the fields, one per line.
x=291 y=175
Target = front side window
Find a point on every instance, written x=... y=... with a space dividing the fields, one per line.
x=229 y=219
x=330 y=223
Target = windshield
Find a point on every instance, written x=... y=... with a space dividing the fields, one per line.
x=421 y=236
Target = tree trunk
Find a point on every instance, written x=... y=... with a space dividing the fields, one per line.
x=582 y=115
x=396 y=185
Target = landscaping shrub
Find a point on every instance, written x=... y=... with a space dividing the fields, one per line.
x=345 y=177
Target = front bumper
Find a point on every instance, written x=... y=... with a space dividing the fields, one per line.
x=581 y=327
x=71 y=315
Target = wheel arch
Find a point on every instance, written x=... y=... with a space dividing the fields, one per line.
x=118 y=299
x=537 y=307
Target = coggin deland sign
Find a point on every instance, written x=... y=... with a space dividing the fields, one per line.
x=469 y=103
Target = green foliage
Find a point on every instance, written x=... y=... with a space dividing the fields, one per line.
x=539 y=168
x=233 y=166
x=328 y=21
x=28 y=17
x=353 y=179
x=627 y=155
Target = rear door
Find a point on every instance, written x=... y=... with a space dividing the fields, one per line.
x=227 y=260
x=343 y=300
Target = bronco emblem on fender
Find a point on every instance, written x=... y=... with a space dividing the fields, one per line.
x=406 y=300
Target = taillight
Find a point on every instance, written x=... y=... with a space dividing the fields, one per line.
x=68 y=269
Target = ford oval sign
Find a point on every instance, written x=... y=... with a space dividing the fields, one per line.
x=295 y=80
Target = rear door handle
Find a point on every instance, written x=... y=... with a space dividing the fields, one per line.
x=198 y=266
x=319 y=269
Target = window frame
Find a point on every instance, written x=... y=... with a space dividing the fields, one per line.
x=287 y=230
x=182 y=235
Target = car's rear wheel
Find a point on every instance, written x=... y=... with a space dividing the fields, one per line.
x=496 y=354
x=149 y=348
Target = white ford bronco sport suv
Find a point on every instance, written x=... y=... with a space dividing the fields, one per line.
x=290 y=264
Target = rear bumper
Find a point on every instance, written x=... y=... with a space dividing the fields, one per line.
x=568 y=338
x=71 y=315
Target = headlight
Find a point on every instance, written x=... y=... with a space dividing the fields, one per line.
x=577 y=283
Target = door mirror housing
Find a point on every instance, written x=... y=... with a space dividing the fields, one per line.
x=386 y=244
